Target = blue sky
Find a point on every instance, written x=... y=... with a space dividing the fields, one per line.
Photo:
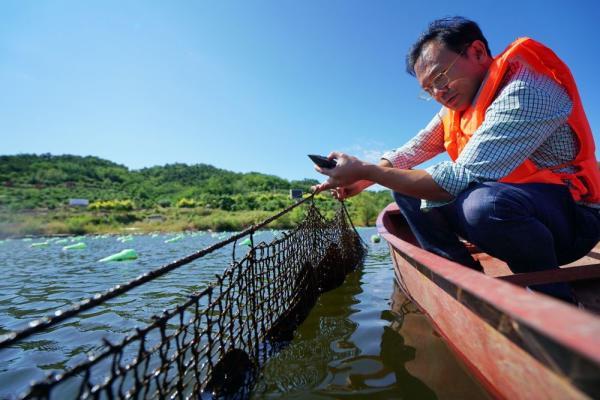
x=244 y=85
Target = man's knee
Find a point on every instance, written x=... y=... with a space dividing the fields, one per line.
x=476 y=204
x=489 y=204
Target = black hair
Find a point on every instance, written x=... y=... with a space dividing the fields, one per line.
x=455 y=33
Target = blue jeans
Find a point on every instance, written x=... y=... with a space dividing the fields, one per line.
x=532 y=227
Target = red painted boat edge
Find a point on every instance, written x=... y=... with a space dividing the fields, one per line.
x=554 y=318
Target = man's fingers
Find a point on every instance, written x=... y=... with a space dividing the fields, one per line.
x=322 y=186
x=324 y=171
x=334 y=154
x=326 y=185
x=336 y=193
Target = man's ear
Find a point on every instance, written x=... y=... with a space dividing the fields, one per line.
x=479 y=51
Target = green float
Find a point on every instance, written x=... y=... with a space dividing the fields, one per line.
x=174 y=239
x=246 y=242
x=76 y=246
x=40 y=244
x=375 y=239
x=124 y=255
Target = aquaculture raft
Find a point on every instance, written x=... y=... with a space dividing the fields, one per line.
x=214 y=344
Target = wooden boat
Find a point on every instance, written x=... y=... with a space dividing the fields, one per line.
x=518 y=344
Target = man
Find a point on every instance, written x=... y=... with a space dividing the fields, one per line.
x=522 y=185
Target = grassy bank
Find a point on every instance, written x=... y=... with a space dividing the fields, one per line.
x=74 y=222
x=363 y=210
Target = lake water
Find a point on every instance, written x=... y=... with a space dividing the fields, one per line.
x=363 y=339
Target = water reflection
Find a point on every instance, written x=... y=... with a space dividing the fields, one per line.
x=366 y=339
x=322 y=337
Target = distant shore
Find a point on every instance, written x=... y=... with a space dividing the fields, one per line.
x=35 y=223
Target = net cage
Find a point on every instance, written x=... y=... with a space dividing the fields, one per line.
x=214 y=343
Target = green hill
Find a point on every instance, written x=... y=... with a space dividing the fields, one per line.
x=35 y=192
x=47 y=181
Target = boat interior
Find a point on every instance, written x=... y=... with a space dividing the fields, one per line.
x=582 y=275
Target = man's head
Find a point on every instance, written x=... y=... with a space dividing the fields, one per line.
x=450 y=60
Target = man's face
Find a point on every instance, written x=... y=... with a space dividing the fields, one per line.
x=464 y=74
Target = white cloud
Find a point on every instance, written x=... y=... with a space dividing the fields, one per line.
x=369 y=151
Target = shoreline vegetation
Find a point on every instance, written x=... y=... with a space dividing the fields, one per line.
x=37 y=189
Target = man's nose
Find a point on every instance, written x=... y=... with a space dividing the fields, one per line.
x=437 y=93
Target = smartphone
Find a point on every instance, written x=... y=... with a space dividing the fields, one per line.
x=322 y=161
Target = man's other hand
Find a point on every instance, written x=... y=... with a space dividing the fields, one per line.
x=344 y=192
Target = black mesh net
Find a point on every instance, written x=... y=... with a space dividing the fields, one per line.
x=214 y=344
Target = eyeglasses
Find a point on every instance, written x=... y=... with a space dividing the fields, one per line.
x=440 y=82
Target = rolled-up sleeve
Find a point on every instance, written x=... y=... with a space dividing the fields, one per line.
x=526 y=112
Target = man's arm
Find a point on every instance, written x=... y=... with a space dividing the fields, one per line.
x=428 y=143
x=415 y=183
x=350 y=170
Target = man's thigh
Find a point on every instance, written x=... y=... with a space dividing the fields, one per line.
x=529 y=212
x=491 y=211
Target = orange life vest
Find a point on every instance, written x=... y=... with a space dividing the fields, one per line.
x=584 y=184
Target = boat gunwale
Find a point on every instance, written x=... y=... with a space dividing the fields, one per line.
x=532 y=313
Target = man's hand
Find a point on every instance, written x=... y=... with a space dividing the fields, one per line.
x=348 y=171
x=350 y=174
x=344 y=192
